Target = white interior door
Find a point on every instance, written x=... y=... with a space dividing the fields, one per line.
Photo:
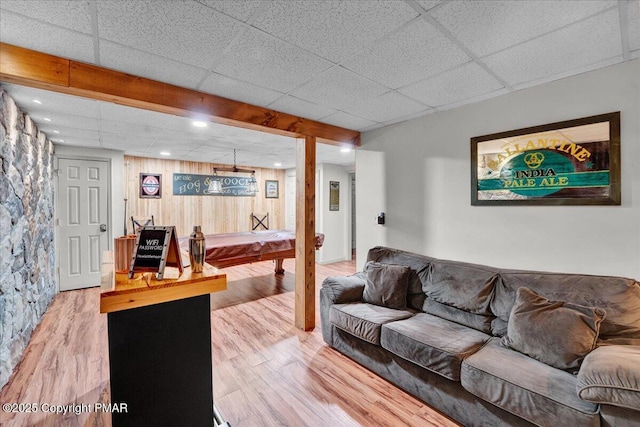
x=82 y=221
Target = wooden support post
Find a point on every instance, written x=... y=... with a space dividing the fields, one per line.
x=305 y=308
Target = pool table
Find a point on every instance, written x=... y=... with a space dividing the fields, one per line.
x=229 y=249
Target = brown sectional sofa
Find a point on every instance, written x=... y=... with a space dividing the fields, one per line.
x=447 y=344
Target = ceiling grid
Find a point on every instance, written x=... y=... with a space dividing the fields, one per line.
x=355 y=64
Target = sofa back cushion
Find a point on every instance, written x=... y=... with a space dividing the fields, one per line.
x=468 y=287
x=619 y=297
x=479 y=322
x=386 y=285
x=417 y=263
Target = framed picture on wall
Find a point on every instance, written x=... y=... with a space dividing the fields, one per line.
x=271 y=189
x=150 y=186
x=574 y=162
x=334 y=195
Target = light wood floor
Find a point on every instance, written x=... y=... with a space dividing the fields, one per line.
x=266 y=372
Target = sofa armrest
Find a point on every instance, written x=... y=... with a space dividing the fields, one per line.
x=610 y=375
x=343 y=289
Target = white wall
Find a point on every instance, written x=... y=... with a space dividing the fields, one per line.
x=371 y=199
x=116 y=159
x=418 y=172
x=336 y=225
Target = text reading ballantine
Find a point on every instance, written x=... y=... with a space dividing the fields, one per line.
x=542 y=167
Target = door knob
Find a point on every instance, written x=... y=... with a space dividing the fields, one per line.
x=103 y=227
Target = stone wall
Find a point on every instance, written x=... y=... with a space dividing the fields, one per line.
x=27 y=251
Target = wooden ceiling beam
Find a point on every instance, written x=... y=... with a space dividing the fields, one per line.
x=40 y=70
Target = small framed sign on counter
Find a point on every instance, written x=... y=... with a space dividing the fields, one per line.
x=156 y=247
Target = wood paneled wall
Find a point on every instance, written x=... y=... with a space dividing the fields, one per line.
x=216 y=214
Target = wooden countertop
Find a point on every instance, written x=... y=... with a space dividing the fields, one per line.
x=118 y=292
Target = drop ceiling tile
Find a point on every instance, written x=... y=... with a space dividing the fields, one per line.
x=73 y=15
x=196 y=157
x=120 y=141
x=174 y=146
x=130 y=129
x=63 y=120
x=490 y=26
x=177 y=137
x=633 y=24
x=464 y=82
x=68 y=133
x=301 y=108
x=388 y=106
x=137 y=116
x=568 y=73
x=227 y=87
x=474 y=99
x=339 y=88
x=144 y=64
x=26 y=32
x=416 y=52
x=347 y=121
x=188 y=32
x=51 y=101
x=241 y=10
x=429 y=4
x=266 y=61
x=574 y=47
x=333 y=29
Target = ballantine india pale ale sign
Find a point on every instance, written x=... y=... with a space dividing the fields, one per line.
x=563 y=165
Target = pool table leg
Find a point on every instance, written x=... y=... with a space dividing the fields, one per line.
x=279 y=269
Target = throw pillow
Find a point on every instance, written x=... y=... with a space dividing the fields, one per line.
x=386 y=285
x=557 y=333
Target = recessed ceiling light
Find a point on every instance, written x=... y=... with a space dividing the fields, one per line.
x=345 y=150
x=56 y=131
x=47 y=119
x=61 y=140
x=37 y=101
x=165 y=153
x=199 y=124
x=277 y=164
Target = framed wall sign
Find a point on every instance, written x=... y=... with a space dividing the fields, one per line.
x=150 y=186
x=189 y=184
x=334 y=195
x=575 y=162
x=271 y=189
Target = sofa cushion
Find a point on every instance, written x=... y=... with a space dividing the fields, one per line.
x=416 y=262
x=525 y=387
x=431 y=342
x=611 y=375
x=618 y=296
x=386 y=285
x=476 y=321
x=468 y=287
x=364 y=320
x=557 y=333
